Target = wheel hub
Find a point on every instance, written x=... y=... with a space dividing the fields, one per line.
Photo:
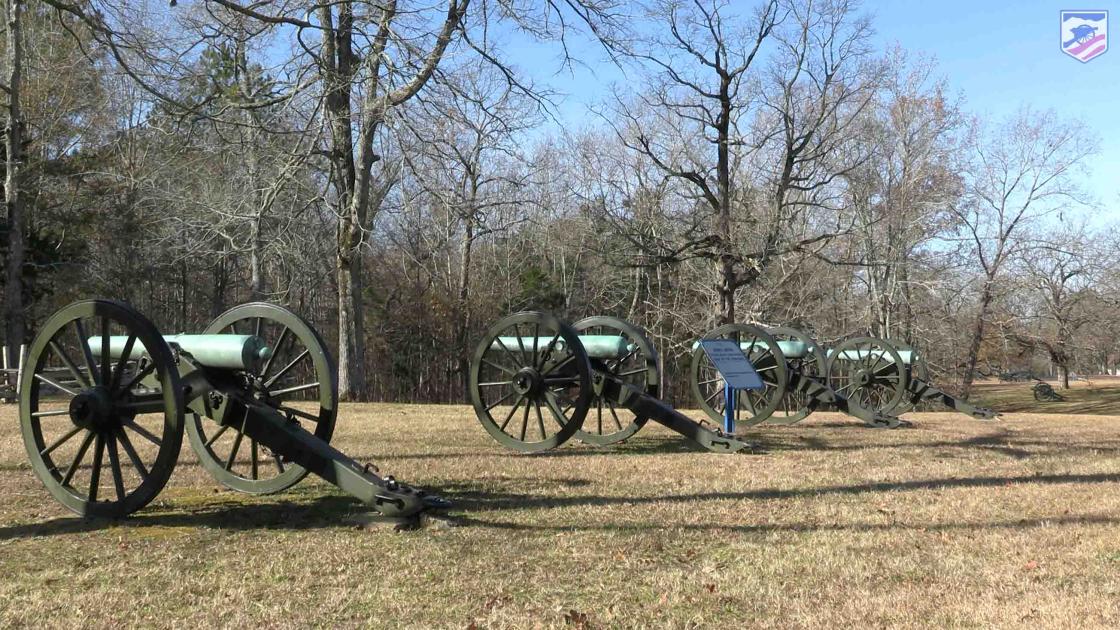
x=863 y=378
x=527 y=381
x=93 y=409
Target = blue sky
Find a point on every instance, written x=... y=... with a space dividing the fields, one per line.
x=999 y=55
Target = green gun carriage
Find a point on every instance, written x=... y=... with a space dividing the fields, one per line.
x=537 y=382
x=255 y=393
x=871 y=379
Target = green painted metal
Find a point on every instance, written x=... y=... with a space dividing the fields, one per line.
x=514 y=389
x=300 y=358
x=596 y=346
x=906 y=356
x=608 y=422
x=89 y=402
x=869 y=372
x=806 y=361
x=231 y=352
x=751 y=407
x=83 y=447
x=791 y=348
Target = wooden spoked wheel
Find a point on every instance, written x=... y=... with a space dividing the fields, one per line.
x=298 y=380
x=635 y=363
x=868 y=372
x=530 y=382
x=796 y=406
x=751 y=406
x=916 y=369
x=102 y=433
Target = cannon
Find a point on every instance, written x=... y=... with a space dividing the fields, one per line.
x=872 y=379
x=536 y=382
x=1081 y=34
x=794 y=371
x=255 y=393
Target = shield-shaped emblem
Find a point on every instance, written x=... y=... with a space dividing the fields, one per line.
x=1084 y=33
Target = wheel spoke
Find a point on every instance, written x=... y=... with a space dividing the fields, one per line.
x=115 y=467
x=296 y=412
x=144 y=433
x=637 y=371
x=508 y=352
x=614 y=415
x=293 y=390
x=237 y=441
x=525 y=422
x=233 y=451
x=106 y=360
x=78 y=458
x=83 y=343
x=554 y=407
x=60 y=441
x=499 y=367
x=548 y=350
x=48 y=414
x=511 y=412
x=536 y=336
x=70 y=365
x=217 y=434
x=253 y=457
x=275 y=353
x=495 y=383
x=555 y=368
x=540 y=419
x=279 y=464
x=139 y=376
x=56 y=385
x=119 y=371
x=501 y=400
x=129 y=450
x=287 y=367
x=95 y=473
x=599 y=410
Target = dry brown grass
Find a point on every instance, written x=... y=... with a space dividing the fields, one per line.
x=1100 y=395
x=952 y=522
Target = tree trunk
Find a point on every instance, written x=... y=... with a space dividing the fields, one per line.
x=977 y=338
x=462 y=326
x=727 y=283
x=1063 y=370
x=14 y=318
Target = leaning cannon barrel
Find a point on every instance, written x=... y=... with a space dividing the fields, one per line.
x=231 y=352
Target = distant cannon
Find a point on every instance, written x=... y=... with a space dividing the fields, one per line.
x=1081 y=34
x=256 y=395
x=871 y=379
x=1043 y=392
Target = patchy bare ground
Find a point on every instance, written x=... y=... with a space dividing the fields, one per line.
x=953 y=522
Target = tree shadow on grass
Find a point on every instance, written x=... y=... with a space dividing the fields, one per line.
x=476 y=507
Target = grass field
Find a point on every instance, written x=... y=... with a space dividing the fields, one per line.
x=1096 y=396
x=951 y=522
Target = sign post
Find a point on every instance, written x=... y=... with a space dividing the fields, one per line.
x=737 y=373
